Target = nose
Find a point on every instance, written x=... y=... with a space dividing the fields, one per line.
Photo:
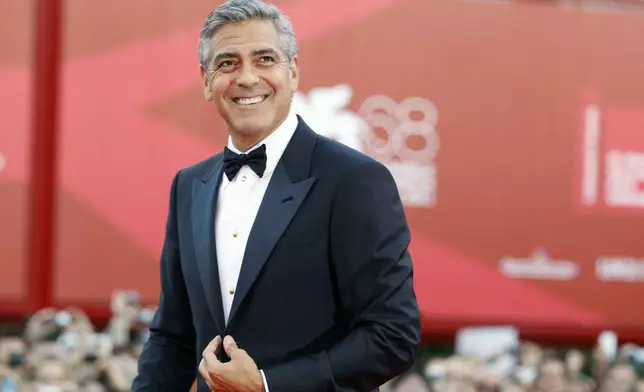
x=247 y=76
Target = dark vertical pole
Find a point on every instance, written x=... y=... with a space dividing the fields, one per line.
x=42 y=202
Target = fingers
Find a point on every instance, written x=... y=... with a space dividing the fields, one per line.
x=209 y=362
x=203 y=371
x=229 y=344
x=209 y=354
x=213 y=346
x=231 y=348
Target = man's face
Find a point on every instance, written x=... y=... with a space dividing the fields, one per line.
x=639 y=387
x=575 y=361
x=412 y=383
x=552 y=377
x=530 y=354
x=249 y=78
x=620 y=378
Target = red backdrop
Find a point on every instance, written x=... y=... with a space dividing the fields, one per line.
x=16 y=38
x=515 y=133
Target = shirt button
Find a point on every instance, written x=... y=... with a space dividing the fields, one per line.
x=235 y=233
x=243 y=179
x=231 y=291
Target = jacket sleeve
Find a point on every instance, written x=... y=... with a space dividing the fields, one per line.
x=369 y=240
x=168 y=359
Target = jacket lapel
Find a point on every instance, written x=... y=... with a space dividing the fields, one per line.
x=206 y=191
x=287 y=189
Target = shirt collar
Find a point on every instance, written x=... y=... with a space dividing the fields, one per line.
x=275 y=143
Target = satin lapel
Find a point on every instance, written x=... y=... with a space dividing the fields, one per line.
x=281 y=202
x=204 y=205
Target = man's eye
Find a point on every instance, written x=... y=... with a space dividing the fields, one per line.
x=266 y=59
x=226 y=64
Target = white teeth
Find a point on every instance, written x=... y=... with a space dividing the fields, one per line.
x=249 y=101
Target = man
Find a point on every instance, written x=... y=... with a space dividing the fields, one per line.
x=551 y=376
x=285 y=263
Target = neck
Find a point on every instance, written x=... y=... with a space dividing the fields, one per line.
x=244 y=142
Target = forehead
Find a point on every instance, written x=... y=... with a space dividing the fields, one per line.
x=575 y=355
x=553 y=367
x=623 y=371
x=411 y=383
x=246 y=37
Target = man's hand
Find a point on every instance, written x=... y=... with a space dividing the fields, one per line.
x=239 y=375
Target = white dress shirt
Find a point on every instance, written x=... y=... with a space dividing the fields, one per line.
x=237 y=206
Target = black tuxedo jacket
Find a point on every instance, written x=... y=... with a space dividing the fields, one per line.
x=324 y=301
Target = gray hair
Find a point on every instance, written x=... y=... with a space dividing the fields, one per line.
x=236 y=11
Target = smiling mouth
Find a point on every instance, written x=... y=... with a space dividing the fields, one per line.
x=247 y=101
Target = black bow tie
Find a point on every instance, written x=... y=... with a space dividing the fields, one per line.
x=255 y=159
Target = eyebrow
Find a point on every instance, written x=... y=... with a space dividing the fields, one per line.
x=258 y=52
x=223 y=55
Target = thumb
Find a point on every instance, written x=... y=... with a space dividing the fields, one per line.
x=230 y=345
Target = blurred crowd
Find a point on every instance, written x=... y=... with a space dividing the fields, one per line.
x=61 y=351
x=528 y=368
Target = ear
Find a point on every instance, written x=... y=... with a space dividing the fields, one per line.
x=205 y=83
x=294 y=72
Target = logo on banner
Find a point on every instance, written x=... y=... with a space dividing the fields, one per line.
x=538 y=266
x=619 y=269
x=401 y=135
x=612 y=158
x=324 y=110
x=594 y=5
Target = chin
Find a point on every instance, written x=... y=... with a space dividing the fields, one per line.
x=249 y=129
